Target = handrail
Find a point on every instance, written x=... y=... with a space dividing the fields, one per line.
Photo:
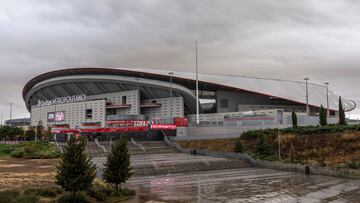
x=57 y=144
x=138 y=145
x=100 y=146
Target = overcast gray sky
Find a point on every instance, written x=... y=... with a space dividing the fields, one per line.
x=275 y=39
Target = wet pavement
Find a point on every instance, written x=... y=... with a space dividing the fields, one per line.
x=178 y=177
x=245 y=185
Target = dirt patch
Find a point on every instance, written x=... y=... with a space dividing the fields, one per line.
x=225 y=145
x=22 y=173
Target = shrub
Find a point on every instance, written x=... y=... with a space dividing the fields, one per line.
x=254 y=134
x=13 y=196
x=8 y=196
x=99 y=190
x=17 y=154
x=30 y=191
x=34 y=150
x=9 y=148
x=263 y=150
x=50 y=191
x=127 y=192
x=238 y=146
x=44 y=192
x=30 y=198
x=78 y=198
x=305 y=130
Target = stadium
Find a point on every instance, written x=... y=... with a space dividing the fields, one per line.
x=154 y=103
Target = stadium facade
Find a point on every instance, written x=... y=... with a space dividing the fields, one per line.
x=117 y=100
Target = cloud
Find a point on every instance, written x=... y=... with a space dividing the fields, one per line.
x=276 y=39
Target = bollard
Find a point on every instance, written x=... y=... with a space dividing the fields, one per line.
x=307 y=170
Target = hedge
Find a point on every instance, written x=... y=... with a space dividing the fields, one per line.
x=308 y=130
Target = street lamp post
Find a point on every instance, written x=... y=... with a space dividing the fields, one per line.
x=327 y=99
x=197 y=91
x=11 y=114
x=171 y=74
x=307 y=97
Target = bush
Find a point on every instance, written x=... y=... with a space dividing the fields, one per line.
x=8 y=196
x=34 y=150
x=79 y=198
x=263 y=150
x=9 y=148
x=13 y=196
x=305 y=130
x=17 y=154
x=49 y=192
x=99 y=190
x=254 y=134
x=238 y=146
x=30 y=198
x=44 y=192
x=127 y=192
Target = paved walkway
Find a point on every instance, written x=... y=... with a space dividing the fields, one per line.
x=246 y=185
x=178 y=177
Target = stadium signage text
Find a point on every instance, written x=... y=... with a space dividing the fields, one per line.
x=62 y=100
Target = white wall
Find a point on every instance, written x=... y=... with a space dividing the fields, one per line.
x=132 y=97
x=177 y=108
x=74 y=113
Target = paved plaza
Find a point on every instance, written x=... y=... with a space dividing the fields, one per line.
x=178 y=177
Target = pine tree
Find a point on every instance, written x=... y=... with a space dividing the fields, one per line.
x=75 y=172
x=322 y=116
x=294 y=119
x=342 y=120
x=238 y=146
x=117 y=168
x=263 y=150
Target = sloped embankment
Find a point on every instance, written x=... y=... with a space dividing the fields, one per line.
x=325 y=146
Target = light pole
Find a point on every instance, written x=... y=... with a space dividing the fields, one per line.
x=11 y=113
x=1 y=123
x=307 y=97
x=171 y=74
x=197 y=92
x=327 y=99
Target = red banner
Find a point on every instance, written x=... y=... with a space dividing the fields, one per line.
x=163 y=126
x=181 y=122
x=116 y=129
x=110 y=130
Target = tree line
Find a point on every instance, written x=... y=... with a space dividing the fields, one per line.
x=16 y=133
x=323 y=116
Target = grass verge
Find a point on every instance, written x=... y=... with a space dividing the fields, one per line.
x=32 y=150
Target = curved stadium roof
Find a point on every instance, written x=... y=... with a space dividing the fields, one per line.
x=183 y=81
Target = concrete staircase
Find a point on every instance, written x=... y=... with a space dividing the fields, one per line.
x=157 y=158
x=157 y=147
x=93 y=150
